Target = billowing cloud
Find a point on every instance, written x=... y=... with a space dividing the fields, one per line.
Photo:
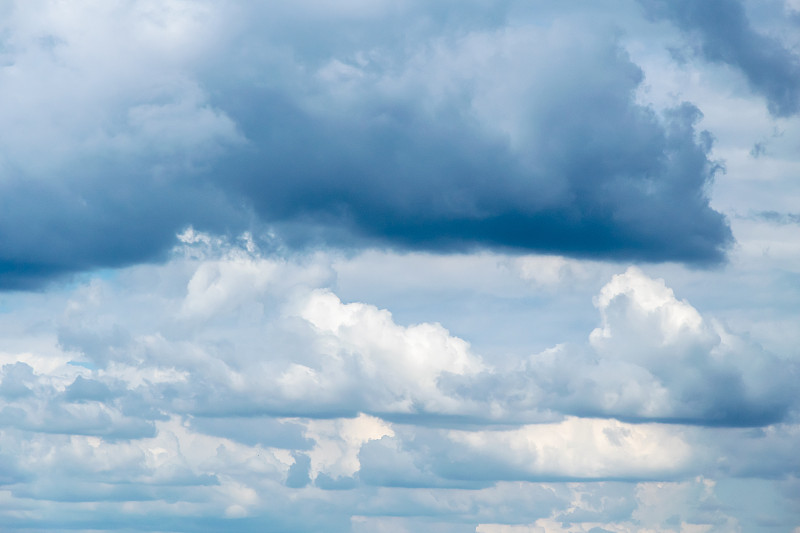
x=655 y=357
x=258 y=336
x=229 y=388
x=530 y=163
x=255 y=335
x=470 y=135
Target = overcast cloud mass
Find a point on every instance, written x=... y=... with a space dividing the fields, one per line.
x=416 y=266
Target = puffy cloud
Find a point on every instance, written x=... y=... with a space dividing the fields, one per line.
x=658 y=507
x=238 y=391
x=338 y=442
x=525 y=164
x=574 y=448
x=49 y=403
x=250 y=336
x=405 y=362
x=109 y=128
x=336 y=129
x=655 y=357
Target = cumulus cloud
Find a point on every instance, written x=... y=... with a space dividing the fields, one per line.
x=251 y=336
x=110 y=130
x=530 y=163
x=229 y=388
x=655 y=357
x=406 y=362
x=305 y=357
x=338 y=442
x=336 y=130
x=479 y=457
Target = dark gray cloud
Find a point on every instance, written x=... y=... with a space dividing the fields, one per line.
x=541 y=147
x=726 y=35
x=109 y=218
x=611 y=182
x=477 y=134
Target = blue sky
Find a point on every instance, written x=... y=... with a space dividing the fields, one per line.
x=400 y=266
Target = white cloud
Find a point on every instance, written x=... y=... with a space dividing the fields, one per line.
x=137 y=378
x=338 y=442
x=503 y=528
x=406 y=362
x=645 y=300
x=547 y=270
x=656 y=357
x=579 y=447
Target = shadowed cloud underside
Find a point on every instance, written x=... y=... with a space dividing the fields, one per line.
x=472 y=137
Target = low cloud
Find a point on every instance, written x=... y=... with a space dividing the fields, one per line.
x=476 y=134
x=171 y=391
x=656 y=358
x=255 y=335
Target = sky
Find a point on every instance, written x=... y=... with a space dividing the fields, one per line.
x=395 y=266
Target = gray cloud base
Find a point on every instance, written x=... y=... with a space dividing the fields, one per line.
x=476 y=135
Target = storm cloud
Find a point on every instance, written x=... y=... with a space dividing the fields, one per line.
x=470 y=136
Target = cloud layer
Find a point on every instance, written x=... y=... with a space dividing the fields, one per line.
x=242 y=389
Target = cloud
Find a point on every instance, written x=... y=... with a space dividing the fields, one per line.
x=724 y=34
x=405 y=362
x=677 y=507
x=338 y=442
x=111 y=135
x=475 y=134
x=572 y=449
x=656 y=358
x=38 y=402
x=252 y=336
x=228 y=388
x=434 y=153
